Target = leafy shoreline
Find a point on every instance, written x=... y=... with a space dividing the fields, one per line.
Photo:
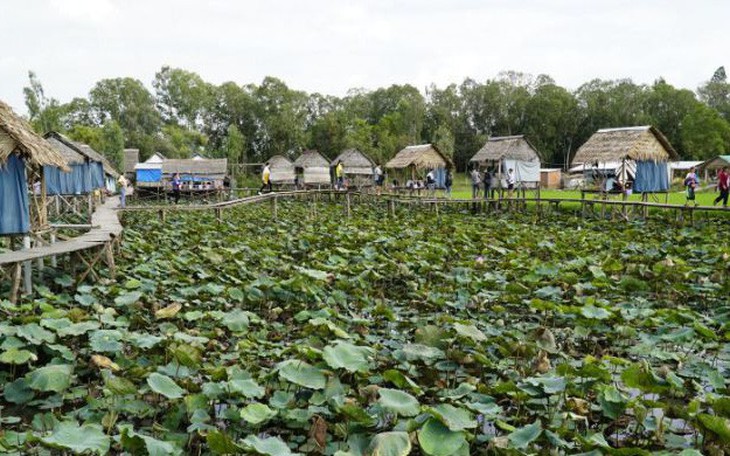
x=451 y=335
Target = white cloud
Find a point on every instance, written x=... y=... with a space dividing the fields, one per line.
x=93 y=12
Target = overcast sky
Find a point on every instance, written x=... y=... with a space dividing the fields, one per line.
x=329 y=46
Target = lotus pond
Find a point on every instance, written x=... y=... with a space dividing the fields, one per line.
x=314 y=333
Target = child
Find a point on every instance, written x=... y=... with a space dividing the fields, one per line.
x=691 y=182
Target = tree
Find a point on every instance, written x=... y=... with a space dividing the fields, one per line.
x=182 y=96
x=45 y=113
x=716 y=93
x=443 y=139
x=113 y=144
x=130 y=104
x=667 y=107
x=705 y=133
x=234 y=146
x=551 y=123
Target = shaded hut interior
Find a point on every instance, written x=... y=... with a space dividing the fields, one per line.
x=313 y=169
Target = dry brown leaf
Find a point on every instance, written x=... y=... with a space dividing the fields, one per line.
x=318 y=431
x=169 y=311
x=103 y=362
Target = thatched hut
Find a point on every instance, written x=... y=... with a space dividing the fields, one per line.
x=87 y=168
x=358 y=167
x=412 y=161
x=645 y=145
x=282 y=170
x=131 y=158
x=510 y=152
x=710 y=167
x=23 y=154
x=196 y=174
x=313 y=168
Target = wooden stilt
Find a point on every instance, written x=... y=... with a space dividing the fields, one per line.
x=27 y=269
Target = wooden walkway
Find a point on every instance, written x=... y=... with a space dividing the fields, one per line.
x=88 y=250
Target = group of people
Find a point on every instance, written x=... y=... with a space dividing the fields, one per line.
x=485 y=182
x=340 y=182
x=692 y=182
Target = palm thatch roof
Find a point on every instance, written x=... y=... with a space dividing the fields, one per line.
x=506 y=147
x=279 y=161
x=419 y=156
x=715 y=163
x=17 y=136
x=131 y=158
x=71 y=155
x=311 y=159
x=200 y=167
x=355 y=162
x=633 y=143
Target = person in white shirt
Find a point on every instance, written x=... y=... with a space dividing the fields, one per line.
x=123 y=182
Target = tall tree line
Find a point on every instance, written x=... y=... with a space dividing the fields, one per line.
x=249 y=123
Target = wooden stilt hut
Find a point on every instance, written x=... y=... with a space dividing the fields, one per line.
x=313 y=169
x=358 y=167
x=645 y=147
x=503 y=153
x=413 y=162
x=282 y=170
x=23 y=154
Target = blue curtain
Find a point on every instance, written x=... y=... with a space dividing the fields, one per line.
x=14 y=212
x=76 y=182
x=149 y=175
x=651 y=177
x=97 y=175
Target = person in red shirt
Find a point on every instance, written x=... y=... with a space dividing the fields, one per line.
x=723 y=185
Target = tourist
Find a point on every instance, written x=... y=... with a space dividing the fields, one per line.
x=511 y=180
x=379 y=179
x=448 y=183
x=340 y=175
x=487 y=182
x=266 y=179
x=723 y=185
x=123 y=182
x=431 y=182
x=176 y=187
x=691 y=182
x=476 y=179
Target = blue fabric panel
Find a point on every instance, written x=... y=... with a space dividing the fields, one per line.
x=97 y=175
x=149 y=175
x=14 y=212
x=76 y=182
x=192 y=178
x=440 y=177
x=651 y=177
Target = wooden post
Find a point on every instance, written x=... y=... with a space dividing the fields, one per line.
x=110 y=258
x=17 y=272
x=90 y=205
x=276 y=206
x=161 y=213
x=54 y=260
x=347 y=204
x=27 y=269
x=218 y=215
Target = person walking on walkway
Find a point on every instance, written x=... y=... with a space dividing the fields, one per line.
x=123 y=182
x=723 y=185
x=379 y=179
x=511 y=181
x=340 y=176
x=176 y=187
x=691 y=182
x=431 y=183
x=448 y=183
x=476 y=179
x=266 y=179
x=487 y=183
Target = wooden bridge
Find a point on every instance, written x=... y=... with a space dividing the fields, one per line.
x=97 y=246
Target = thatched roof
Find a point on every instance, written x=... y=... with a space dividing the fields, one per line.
x=212 y=167
x=634 y=143
x=16 y=135
x=311 y=159
x=716 y=163
x=131 y=158
x=420 y=156
x=506 y=147
x=353 y=158
x=279 y=161
x=70 y=153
